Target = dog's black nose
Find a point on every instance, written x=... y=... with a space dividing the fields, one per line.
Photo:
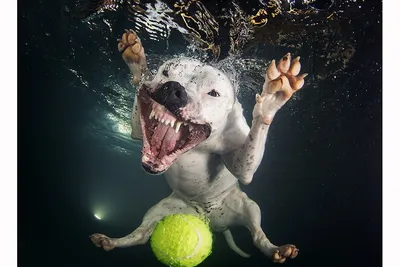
x=172 y=95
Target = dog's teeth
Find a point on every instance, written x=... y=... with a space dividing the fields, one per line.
x=184 y=124
x=177 y=126
x=162 y=120
x=167 y=122
x=190 y=127
x=172 y=123
x=152 y=114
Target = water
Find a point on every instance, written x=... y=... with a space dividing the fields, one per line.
x=319 y=185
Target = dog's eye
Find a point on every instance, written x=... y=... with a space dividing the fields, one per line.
x=213 y=93
x=165 y=73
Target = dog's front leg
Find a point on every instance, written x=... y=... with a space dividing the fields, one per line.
x=134 y=56
x=280 y=84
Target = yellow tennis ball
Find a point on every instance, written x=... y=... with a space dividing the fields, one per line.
x=181 y=240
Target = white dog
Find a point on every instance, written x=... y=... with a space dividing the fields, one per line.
x=194 y=131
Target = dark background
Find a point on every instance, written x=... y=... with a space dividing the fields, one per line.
x=319 y=186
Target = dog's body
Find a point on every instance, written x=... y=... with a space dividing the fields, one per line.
x=194 y=131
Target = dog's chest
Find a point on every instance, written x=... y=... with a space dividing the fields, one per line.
x=194 y=173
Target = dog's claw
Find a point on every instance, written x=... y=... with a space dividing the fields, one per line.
x=121 y=46
x=295 y=67
x=259 y=98
x=132 y=53
x=284 y=252
x=102 y=241
x=132 y=38
x=272 y=71
x=125 y=38
x=284 y=63
x=280 y=83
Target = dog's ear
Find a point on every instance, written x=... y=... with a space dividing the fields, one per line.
x=236 y=94
x=236 y=112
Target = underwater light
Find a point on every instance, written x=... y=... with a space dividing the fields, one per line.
x=97 y=217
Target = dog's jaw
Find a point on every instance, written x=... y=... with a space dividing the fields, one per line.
x=166 y=136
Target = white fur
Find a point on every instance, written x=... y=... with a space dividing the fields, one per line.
x=205 y=179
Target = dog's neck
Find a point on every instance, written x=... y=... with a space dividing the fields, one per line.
x=224 y=137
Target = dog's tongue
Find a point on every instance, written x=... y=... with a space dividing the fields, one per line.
x=164 y=140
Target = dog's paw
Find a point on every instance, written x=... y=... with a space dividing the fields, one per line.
x=284 y=252
x=102 y=241
x=280 y=84
x=133 y=54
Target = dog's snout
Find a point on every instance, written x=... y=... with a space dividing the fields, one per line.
x=175 y=92
x=172 y=95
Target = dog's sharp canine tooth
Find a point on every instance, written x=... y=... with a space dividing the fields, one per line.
x=177 y=126
x=152 y=114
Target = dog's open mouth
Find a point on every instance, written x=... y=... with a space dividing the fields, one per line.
x=165 y=136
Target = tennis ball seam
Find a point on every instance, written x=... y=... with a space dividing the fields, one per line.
x=199 y=241
x=196 y=253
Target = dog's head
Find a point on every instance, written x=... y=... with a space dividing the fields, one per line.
x=185 y=104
